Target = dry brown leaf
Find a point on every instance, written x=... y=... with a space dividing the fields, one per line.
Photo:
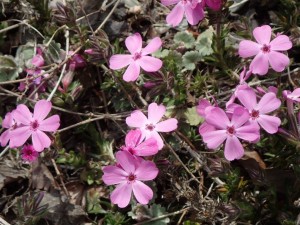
x=254 y=155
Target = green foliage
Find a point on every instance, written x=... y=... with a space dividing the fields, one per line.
x=93 y=202
x=184 y=38
x=204 y=42
x=115 y=219
x=192 y=117
x=70 y=158
x=9 y=69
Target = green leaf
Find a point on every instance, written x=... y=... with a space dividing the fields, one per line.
x=204 y=42
x=161 y=53
x=190 y=59
x=24 y=54
x=9 y=69
x=53 y=52
x=192 y=117
x=184 y=38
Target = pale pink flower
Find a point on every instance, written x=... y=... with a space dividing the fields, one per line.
x=231 y=131
x=151 y=126
x=29 y=154
x=138 y=57
x=128 y=175
x=265 y=51
x=136 y=146
x=10 y=124
x=244 y=75
x=192 y=9
x=203 y=108
x=267 y=104
x=34 y=125
x=294 y=96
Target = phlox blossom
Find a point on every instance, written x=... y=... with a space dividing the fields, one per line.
x=29 y=154
x=151 y=126
x=10 y=124
x=294 y=96
x=138 y=57
x=128 y=174
x=203 y=108
x=230 y=131
x=34 y=124
x=192 y=9
x=268 y=103
x=136 y=146
x=266 y=51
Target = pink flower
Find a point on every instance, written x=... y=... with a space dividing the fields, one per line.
x=268 y=103
x=76 y=61
x=29 y=154
x=135 y=145
x=151 y=126
x=9 y=123
x=129 y=176
x=266 y=52
x=192 y=9
x=294 y=96
x=34 y=125
x=213 y=4
x=231 y=131
x=138 y=57
x=244 y=75
x=203 y=108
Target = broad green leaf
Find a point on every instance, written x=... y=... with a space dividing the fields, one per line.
x=185 y=38
x=192 y=117
x=53 y=52
x=9 y=69
x=204 y=42
x=24 y=54
x=190 y=59
x=161 y=53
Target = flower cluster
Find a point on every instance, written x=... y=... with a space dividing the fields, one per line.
x=21 y=124
x=131 y=169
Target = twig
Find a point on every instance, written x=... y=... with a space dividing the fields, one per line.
x=4 y=151
x=13 y=26
x=108 y=16
x=60 y=178
x=163 y=216
x=3 y=222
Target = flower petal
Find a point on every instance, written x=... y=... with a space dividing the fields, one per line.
x=248 y=98
x=260 y=64
x=8 y=121
x=126 y=160
x=278 y=61
x=239 y=117
x=50 y=124
x=248 y=48
x=176 y=15
x=233 y=148
x=262 y=34
x=157 y=137
x=147 y=148
x=113 y=175
x=214 y=139
x=142 y=192
x=150 y=64
x=205 y=127
x=4 y=138
x=218 y=118
x=121 y=195
x=134 y=43
x=153 y=46
x=169 y=2
x=40 y=140
x=281 y=43
x=41 y=110
x=268 y=103
x=248 y=132
x=147 y=170
x=194 y=15
x=202 y=105
x=133 y=138
x=214 y=4
x=269 y=123
x=20 y=135
x=136 y=119
x=167 y=125
x=22 y=114
x=132 y=72
x=155 y=112
x=119 y=61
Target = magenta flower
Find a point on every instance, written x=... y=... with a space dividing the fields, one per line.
x=266 y=52
x=231 y=131
x=29 y=154
x=128 y=176
x=135 y=145
x=268 y=103
x=151 y=126
x=138 y=57
x=213 y=4
x=34 y=125
x=192 y=9
x=10 y=124
x=76 y=61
